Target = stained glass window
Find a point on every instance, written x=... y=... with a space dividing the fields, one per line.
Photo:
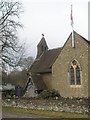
x=75 y=73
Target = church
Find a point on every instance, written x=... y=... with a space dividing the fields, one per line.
x=65 y=69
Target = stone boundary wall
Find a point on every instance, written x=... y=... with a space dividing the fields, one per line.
x=64 y=105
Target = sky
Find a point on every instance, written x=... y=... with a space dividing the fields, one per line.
x=52 y=18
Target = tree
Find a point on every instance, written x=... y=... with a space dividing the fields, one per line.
x=10 y=51
x=4 y=77
x=17 y=75
x=17 y=78
x=26 y=62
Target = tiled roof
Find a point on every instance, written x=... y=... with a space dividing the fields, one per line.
x=38 y=82
x=45 y=61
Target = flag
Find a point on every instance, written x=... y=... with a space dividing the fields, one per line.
x=71 y=17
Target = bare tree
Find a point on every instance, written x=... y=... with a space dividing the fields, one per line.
x=26 y=62
x=10 y=51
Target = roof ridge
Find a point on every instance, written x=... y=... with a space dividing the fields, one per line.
x=83 y=37
x=54 y=48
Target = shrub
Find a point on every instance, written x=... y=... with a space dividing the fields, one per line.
x=8 y=93
x=46 y=94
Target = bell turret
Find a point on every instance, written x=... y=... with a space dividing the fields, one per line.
x=41 y=47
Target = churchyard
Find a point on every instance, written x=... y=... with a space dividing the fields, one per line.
x=60 y=108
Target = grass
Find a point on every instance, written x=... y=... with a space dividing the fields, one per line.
x=43 y=113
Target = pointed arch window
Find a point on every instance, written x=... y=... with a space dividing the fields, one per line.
x=75 y=73
x=72 y=82
x=78 y=82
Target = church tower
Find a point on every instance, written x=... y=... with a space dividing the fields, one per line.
x=41 y=47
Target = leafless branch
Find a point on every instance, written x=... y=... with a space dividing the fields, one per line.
x=11 y=52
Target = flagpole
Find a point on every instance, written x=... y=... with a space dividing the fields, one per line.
x=73 y=44
x=73 y=38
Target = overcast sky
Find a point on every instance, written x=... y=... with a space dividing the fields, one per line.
x=51 y=17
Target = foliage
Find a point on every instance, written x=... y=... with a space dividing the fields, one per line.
x=8 y=93
x=26 y=62
x=19 y=74
x=4 y=77
x=49 y=94
x=17 y=77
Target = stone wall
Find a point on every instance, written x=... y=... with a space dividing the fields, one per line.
x=63 y=105
x=61 y=69
x=89 y=71
x=47 y=78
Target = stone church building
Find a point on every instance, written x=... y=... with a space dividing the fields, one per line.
x=65 y=69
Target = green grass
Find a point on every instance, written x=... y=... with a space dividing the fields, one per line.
x=43 y=113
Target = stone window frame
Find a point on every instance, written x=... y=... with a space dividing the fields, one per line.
x=74 y=65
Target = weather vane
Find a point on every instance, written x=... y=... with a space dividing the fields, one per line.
x=42 y=35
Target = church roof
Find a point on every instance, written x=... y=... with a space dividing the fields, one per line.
x=38 y=82
x=44 y=63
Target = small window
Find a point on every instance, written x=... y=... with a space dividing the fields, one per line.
x=74 y=62
x=45 y=48
x=42 y=48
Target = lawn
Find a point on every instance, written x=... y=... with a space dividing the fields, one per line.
x=51 y=114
